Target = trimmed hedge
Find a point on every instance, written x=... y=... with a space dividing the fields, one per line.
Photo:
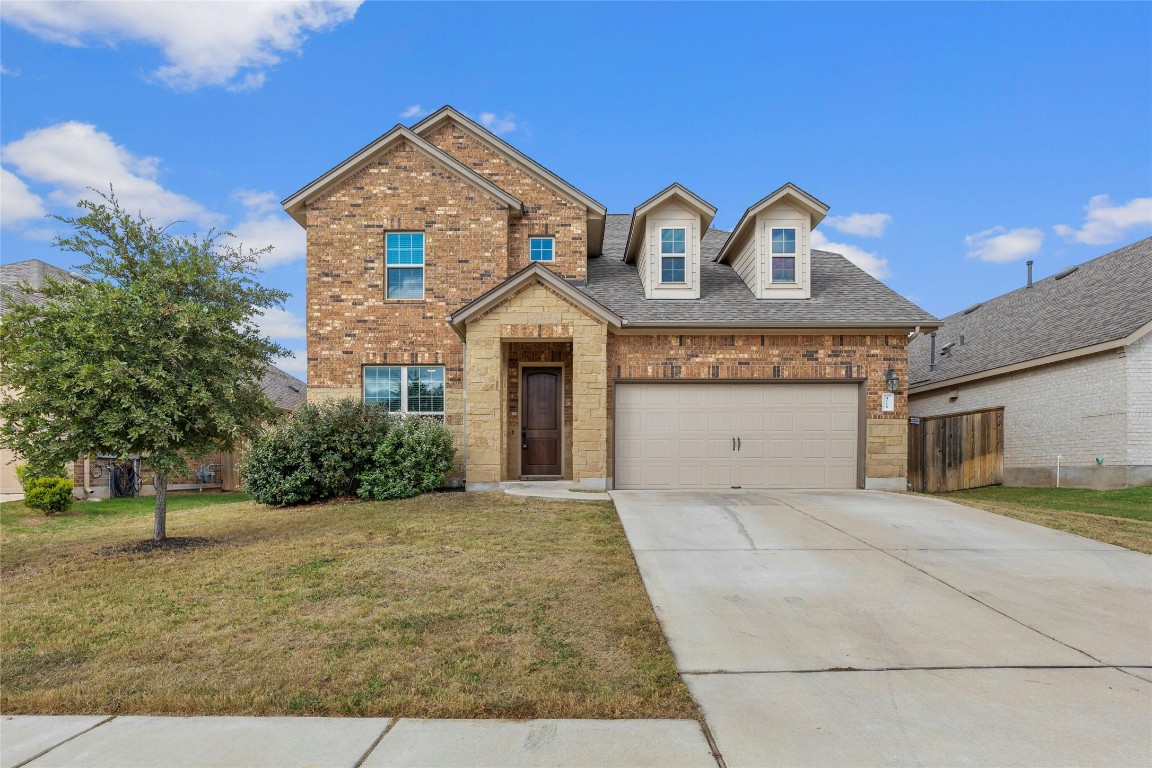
x=317 y=453
x=415 y=457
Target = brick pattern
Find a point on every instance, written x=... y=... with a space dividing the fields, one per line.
x=784 y=357
x=1076 y=408
x=1139 y=363
x=547 y=213
x=529 y=353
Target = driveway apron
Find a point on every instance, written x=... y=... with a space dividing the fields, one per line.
x=864 y=628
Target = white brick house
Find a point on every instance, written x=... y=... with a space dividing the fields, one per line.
x=1069 y=359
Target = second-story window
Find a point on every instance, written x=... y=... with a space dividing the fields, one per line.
x=783 y=255
x=672 y=255
x=541 y=248
x=404 y=254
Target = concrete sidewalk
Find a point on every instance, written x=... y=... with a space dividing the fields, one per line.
x=341 y=742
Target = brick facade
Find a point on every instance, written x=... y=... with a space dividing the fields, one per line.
x=1096 y=406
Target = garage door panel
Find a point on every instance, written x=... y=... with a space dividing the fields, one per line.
x=682 y=435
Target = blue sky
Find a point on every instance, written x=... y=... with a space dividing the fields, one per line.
x=952 y=141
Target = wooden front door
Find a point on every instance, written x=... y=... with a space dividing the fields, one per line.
x=540 y=421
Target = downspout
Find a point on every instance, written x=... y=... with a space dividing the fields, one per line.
x=1058 y=457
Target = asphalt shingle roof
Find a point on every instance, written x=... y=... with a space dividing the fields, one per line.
x=283 y=389
x=1105 y=299
x=841 y=291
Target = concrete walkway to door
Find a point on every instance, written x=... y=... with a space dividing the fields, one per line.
x=861 y=628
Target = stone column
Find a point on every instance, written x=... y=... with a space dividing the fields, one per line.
x=590 y=404
x=485 y=384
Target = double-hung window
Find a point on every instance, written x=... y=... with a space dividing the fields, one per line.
x=541 y=248
x=404 y=257
x=783 y=255
x=412 y=389
x=672 y=255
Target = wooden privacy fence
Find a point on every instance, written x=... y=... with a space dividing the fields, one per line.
x=963 y=450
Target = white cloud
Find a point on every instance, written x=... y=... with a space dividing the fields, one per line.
x=866 y=260
x=1000 y=245
x=205 y=44
x=862 y=224
x=1107 y=223
x=71 y=157
x=498 y=125
x=12 y=72
x=18 y=204
x=413 y=111
x=265 y=223
x=296 y=365
x=281 y=324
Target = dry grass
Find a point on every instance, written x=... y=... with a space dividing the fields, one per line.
x=448 y=605
x=1122 y=517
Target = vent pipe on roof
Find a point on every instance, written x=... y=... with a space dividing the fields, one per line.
x=932 y=352
x=1029 y=262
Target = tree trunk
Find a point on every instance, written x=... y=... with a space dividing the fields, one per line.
x=160 y=482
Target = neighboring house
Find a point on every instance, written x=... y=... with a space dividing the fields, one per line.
x=449 y=275
x=91 y=476
x=1069 y=359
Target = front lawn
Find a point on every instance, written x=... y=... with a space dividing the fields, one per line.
x=1122 y=517
x=446 y=605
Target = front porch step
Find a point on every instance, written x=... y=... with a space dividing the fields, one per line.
x=552 y=485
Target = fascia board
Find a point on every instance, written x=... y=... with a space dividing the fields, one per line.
x=295 y=203
x=816 y=211
x=705 y=210
x=509 y=153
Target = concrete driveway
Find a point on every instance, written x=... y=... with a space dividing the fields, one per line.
x=862 y=628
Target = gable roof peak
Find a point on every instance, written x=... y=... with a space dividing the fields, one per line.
x=296 y=203
x=674 y=191
x=815 y=208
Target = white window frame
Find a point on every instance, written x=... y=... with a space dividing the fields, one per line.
x=551 y=251
x=404 y=411
x=423 y=263
x=684 y=255
x=795 y=255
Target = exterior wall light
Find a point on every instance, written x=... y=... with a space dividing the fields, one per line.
x=891 y=379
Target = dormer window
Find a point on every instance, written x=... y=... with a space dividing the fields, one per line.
x=672 y=255
x=783 y=255
x=541 y=248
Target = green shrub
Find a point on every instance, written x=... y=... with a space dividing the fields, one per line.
x=317 y=453
x=49 y=494
x=414 y=458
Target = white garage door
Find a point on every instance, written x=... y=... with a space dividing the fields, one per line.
x=736 y=435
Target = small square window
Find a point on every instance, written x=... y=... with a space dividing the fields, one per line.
x=784 y=240
x=404 y=256
x=540 y=248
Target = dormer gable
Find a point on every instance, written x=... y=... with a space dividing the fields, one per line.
x=770 y=248
x=664 y=242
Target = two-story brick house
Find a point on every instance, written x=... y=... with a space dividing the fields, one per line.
x=450 y=275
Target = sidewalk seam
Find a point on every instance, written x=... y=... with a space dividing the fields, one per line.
x=376 y=743
x=74 y=736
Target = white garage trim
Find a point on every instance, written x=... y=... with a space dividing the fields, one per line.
x=747 y=433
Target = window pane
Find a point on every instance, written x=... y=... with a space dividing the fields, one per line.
x=405 y=283
x=404 y=247
x=783 y=269
x=541 y=248
x=672 y=269
x=382 y=386
x=672 y=241
x=783 y=241
x=425 y=390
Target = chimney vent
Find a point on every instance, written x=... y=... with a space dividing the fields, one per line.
x=932 y=352
x=1029 y=273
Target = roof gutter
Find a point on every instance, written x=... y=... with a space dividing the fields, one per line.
x=901 y=324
